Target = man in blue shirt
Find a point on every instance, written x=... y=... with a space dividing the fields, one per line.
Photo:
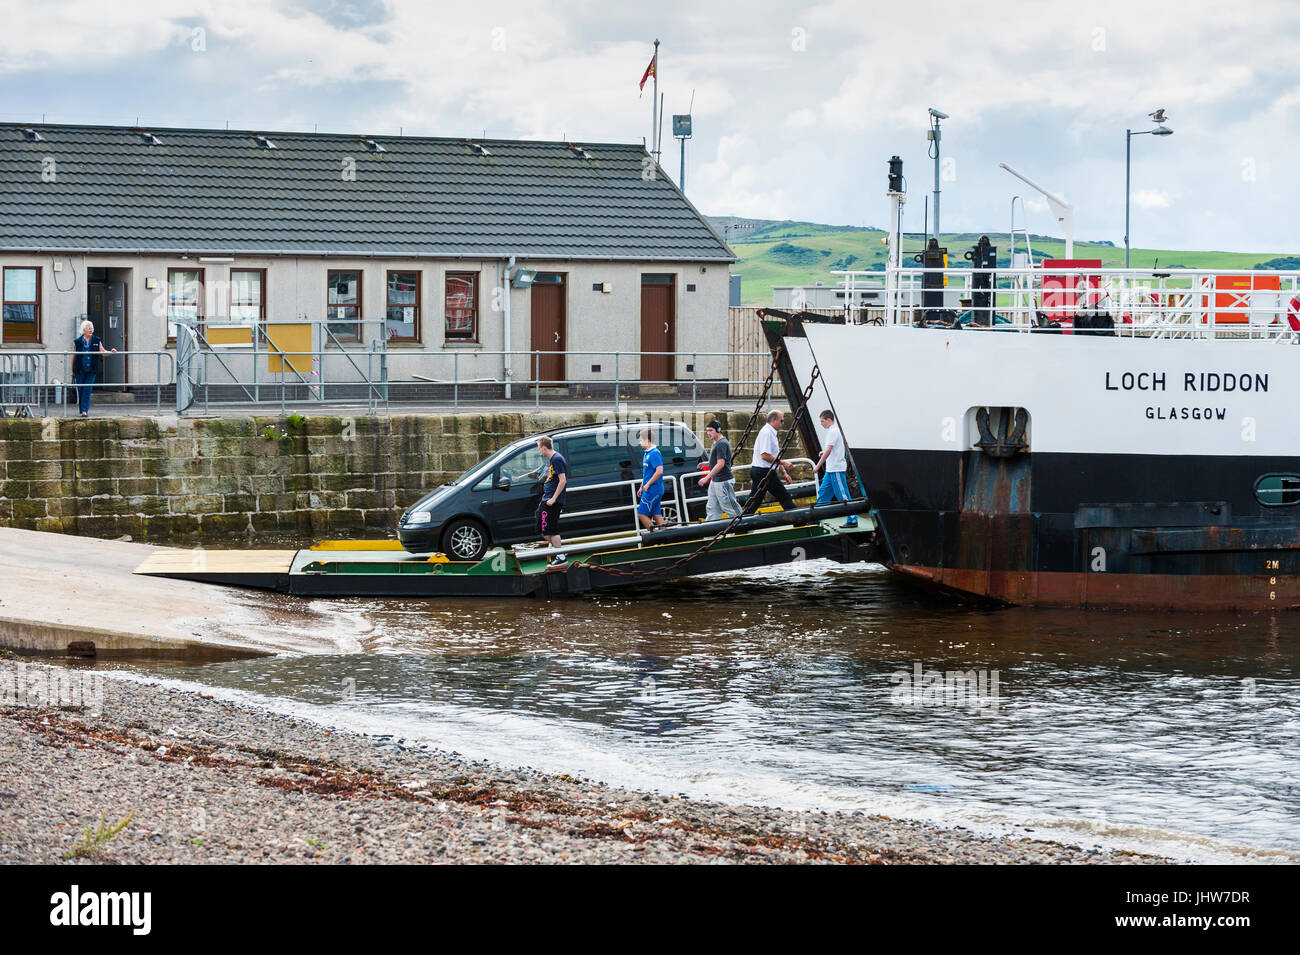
x=650 y=508
x=555 y=476
x=85 y=365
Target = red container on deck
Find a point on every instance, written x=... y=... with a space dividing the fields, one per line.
x=1066 y=294
x=1236 y=294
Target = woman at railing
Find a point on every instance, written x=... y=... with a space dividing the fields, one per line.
x=85 y=364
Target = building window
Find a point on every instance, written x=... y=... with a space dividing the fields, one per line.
x=184 y=299
x=403 y=306
x=247 y=296
x=461 y=307
x=20 y=291
x=344 y=305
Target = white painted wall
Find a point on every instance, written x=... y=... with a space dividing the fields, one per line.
x=296 y=289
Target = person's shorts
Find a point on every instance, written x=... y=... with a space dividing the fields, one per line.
x=548 y=519
x=651 y=504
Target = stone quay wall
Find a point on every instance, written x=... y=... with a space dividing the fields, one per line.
x=188 y=479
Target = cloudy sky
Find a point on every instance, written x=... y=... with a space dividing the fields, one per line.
x=797 y=105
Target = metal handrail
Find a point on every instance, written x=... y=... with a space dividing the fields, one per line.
x=631 y=484
x=45 y=385
x=501 y=358
x=676 y=481
x=1148 y=303
x=325 y=342
x=230 y=363
x=379 y=385
x=734 y=469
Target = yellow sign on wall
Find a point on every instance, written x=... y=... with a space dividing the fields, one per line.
x=228 y=334
x=290 y=348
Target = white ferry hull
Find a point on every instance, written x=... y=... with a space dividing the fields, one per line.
x=1137 y=485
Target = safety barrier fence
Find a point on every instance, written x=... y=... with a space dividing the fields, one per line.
x=677 y=502
x=34 y=382
x=1168 y=303
x=206 y=373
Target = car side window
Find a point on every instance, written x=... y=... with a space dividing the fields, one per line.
x=485 y=482
x=519 y=465
x=678 y=445
x=596 y=454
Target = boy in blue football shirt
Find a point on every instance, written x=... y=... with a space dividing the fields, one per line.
x=650 y=508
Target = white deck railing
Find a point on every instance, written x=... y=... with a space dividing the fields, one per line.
x=1162 y=303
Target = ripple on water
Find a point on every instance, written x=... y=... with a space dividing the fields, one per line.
x=782 y=685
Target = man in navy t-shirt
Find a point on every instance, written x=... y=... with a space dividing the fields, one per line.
x=555 y=476
x=650 y=508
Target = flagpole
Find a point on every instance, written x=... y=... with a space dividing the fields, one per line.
x=654 y=115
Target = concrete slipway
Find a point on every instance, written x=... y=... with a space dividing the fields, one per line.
x=58 y=589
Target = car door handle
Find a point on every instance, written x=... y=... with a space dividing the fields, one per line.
x=665 y=328
x=557 y=338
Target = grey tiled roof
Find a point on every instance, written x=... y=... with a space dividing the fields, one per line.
x=214 y=191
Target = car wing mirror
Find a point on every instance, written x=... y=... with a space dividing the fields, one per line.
x=503 y=482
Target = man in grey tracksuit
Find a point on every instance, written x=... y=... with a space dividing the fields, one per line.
x=720 y=482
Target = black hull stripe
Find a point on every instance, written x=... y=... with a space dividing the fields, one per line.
x=1075 y=513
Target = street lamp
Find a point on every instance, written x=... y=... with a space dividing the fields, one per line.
x=1160 y=130
x=934 y=135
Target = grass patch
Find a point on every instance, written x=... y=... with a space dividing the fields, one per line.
x=803 y=253
x=95 y=838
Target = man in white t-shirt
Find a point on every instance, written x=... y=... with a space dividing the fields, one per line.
x=835 y=482
x=763 y=476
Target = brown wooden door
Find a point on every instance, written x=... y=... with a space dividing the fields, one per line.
x=658 y=327
x=549 y=335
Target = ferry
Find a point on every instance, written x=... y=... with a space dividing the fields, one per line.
x=1062 y=434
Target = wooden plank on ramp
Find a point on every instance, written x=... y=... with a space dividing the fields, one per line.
x=241 y=568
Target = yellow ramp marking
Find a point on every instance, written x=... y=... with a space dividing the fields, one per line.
x=169 y=562
x=357 y=545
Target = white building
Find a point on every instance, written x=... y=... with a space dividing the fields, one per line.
x=821 y=297
x=429 y=247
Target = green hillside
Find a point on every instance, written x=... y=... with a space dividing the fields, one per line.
x=775 y=252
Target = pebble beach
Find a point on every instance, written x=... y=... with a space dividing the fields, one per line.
x=203 y=780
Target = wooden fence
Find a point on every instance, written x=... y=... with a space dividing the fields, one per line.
x=748 y=372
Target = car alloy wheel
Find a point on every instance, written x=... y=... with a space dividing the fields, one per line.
x=465 y=540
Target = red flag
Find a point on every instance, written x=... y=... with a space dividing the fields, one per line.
x=649 y=72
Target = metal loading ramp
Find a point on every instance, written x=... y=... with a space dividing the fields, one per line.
x=376 y=569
